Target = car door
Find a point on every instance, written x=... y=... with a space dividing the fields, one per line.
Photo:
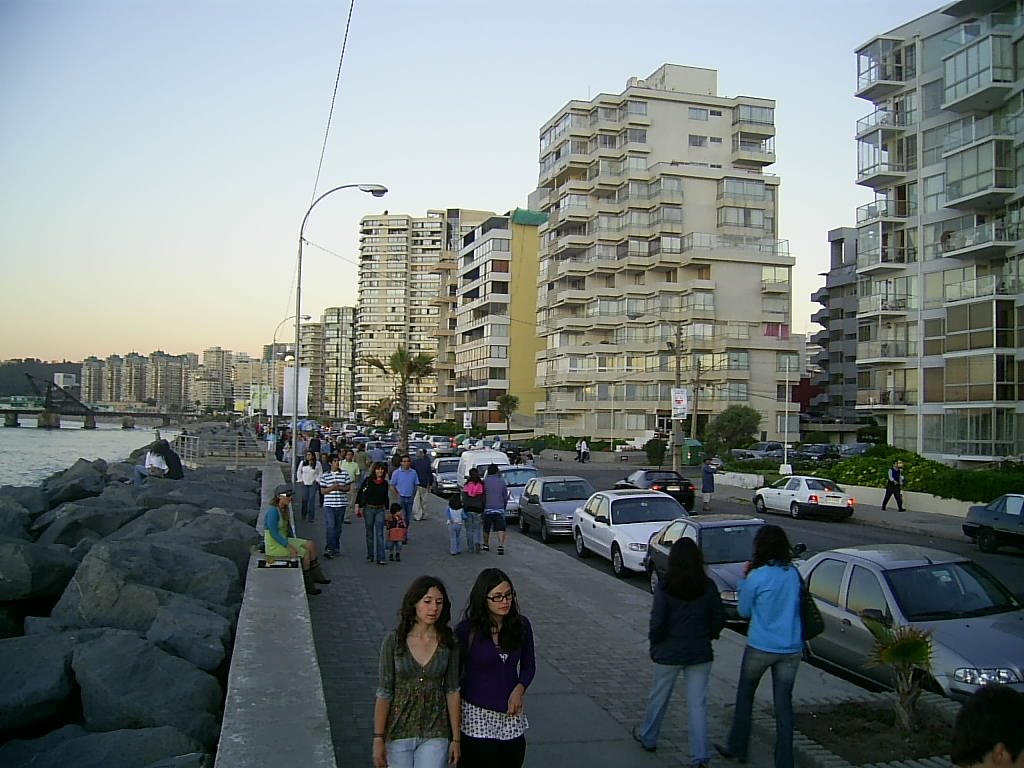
x=791 y=492
x=825 y=582
x=658 y=554
x=586 y=521
x=864 y=593
x=530 y=512
x=602 y=533
x=772 y=493
x=1012 y=519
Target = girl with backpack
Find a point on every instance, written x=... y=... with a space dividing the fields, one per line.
x=473 y=496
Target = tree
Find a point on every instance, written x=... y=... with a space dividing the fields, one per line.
x=381 y=412
x=655 y=450
x=734 y=427
x=908 y=651
x=409 y=368
x=507 y=405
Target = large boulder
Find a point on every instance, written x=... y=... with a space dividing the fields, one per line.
x=236 y=479
x=75 y=522
x=218 y=535
x=130 y=683
x=120 y=472
x=30 y=497
x=45 y=520
x=200 y=494
x=35 y=681
x=247 y=516
x=156 y=521
x=14 y=518
x=81 y=480
x=12 y=621
x=30 y=570
x=193 y=633
x=114 y=749
x=194 y=760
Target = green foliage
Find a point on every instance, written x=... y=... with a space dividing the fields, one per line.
x=908 y=651
x=736 y=426
x=409 y=368
x=444 y=428
x=507 y=405
x=655 y=449
x=872 y=434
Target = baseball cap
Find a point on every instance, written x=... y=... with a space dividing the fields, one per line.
x=284 y=489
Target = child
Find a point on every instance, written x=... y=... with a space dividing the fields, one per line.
x=395 y=524
x=455 y=519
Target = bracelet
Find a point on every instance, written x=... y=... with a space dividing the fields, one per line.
x=454 y=741
x=378 y=735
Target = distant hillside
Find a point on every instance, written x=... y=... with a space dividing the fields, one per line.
x=12 y=374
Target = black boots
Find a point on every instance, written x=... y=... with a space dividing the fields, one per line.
x=311 y=588
x=317 y=572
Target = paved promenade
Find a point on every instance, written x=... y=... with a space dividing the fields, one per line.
x=593 y=668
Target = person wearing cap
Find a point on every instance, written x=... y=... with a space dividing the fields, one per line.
x=277 y=543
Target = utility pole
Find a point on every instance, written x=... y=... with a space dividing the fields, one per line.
x=696 y=395
x=677 y=424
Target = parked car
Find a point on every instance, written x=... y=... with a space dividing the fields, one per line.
x=847 y=450
x=761 y=450
x=999 y=523
x=804 y=496
x=548 y=503
x=663 y=480
x=976 y=624
x=446 y=475
x=618 y=524
x=725 y=540
x=516 y=478
x=819 y=452
x=441 y=446
x=415 y=446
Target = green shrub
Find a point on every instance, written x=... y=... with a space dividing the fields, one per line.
x=655 y=450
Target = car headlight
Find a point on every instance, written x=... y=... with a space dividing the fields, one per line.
x=636 y=546
x=975 y=676
x=555 y=518
x=729 y=597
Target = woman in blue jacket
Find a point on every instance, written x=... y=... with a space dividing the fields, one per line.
x=687 y=615
x=770 y=598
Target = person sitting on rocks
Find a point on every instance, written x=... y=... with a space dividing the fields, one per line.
x=277 y=543
x=171 y=459
x=155 y=465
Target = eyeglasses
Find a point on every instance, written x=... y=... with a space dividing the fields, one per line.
x=504 y=597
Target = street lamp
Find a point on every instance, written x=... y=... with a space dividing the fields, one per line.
x=273 y=371
x=377 y=190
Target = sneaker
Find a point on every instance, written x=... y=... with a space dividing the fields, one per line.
x=644 y=747
x=485 y=548
x=328 y=553
x=369 y=559
x=391 y=557
x=501 y=550
x=398 y=557
x=381 y=562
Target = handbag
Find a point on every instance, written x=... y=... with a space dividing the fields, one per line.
x=811 y=623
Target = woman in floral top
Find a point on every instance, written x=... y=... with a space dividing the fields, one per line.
x=416 y=717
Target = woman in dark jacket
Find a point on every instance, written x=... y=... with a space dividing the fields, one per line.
x=687 y=615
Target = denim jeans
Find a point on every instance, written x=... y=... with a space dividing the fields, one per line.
x=474 y=531
x=334 y=517
x=394 y=547
x=310 y=500
x=784 y=667
x=417 y=753
x=407 y=502
x=373 y=517
x=697 y=677
x=454 y=538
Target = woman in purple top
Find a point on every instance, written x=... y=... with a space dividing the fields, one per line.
x=497 y=652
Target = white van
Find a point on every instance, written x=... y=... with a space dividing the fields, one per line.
x=481 y=459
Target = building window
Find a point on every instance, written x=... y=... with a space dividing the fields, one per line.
x=636 y=107
x=716 y=113
x=698 y=141
x=698 y=113
x=716 y=139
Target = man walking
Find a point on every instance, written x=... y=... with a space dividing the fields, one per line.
x=351 y=467
x=377 y=454
x=894 y=486
x=425 y=476
x=404 y=480
x=335 y=485
x=707 y=482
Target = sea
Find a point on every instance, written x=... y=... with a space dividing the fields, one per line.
x=29 y=455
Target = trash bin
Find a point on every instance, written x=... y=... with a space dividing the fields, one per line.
x=693 y=452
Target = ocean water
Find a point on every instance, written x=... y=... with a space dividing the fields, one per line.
x=29 y=455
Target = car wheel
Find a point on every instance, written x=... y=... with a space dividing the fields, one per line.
x=581 y=548
x=618 y=566
x=524 y=526
x=794 y=511
x=653 y=576
x=987 y=541
x=760 y=506
x=545 y=534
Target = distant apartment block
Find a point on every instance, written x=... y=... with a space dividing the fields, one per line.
x=661 y=240
x=133 y=378
x=92 y=380
x=160 y=378
x=213 y=379
x=399 y=284
x=339 y=339
x=311 y=356
x=940 y=298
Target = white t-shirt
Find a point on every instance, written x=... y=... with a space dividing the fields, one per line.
x=155 y=460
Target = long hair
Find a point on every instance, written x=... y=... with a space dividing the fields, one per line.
x=378 y=465
x=473 y=475
x=307 y=462
x=685 y=577
x=771 y=547
x=407 y=613
x=510 y=638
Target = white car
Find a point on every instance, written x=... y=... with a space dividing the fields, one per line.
x=618 y=524
x=805 y=496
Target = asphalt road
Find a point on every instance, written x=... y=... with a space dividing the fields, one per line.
x=1007 y=564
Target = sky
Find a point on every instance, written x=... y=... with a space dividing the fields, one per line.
x=157 y=156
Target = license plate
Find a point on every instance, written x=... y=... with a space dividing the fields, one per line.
x=673 y=487
x=834 y=500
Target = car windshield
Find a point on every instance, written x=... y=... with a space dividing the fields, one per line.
x=670 y=476
x=949 y=591
x=567 y=490
x=821 y=484
x=451 y=465
x=647 y=509
x=729 y=544
x=517 y=477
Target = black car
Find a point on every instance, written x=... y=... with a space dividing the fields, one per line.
x=725 y=540
x=665 y=480
x=999 y=523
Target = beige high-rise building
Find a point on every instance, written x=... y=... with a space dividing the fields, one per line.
x=133 y=379
x=311 y=356
x=92 y=380
x=339 y=339
x=399 y=284
x=662 y=250
x=164 y=380
x=112 y=378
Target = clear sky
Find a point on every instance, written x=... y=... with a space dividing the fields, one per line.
x=157 y=156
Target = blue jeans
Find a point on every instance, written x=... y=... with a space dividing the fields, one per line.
x=407 y=502
x=310 y=500
x=334 y=517
x=373 y=517
x=454 y=538
x=474 y=531
x=417 y=753
x=784 y=667
x=697 y=677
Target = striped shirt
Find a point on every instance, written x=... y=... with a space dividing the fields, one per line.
x=335 y=498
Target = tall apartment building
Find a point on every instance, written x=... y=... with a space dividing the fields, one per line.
x=133 y=379
x=165 y=380
x=113 y=372
x=339 y=357
x=661 y=249
x=941 y=309
x=212 y=380
x=311 y=356
x=92 y=380
x=836 y=357
x=496 y=342
x=399 y=283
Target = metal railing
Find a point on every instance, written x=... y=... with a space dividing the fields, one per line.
x=989 y=285
x=892 y=302
x=892 y=209
x=885 y=349
x=882 y=118
x=187 y=448
x=891 y=254
x=887 y=397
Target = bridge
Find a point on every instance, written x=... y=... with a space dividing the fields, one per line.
x=58 y=402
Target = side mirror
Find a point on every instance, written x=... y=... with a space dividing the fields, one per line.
x=875 y=615
x=601 y=519
x=799 y=549
x=533 y=499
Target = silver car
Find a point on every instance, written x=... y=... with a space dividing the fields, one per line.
x=548 y=504
x=446 y=476
x=516 y=478
x=977 y=624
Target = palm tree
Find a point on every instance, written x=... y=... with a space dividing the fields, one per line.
x=507 y=405
x=381 y=412
x=908 y=651
x=409 y=368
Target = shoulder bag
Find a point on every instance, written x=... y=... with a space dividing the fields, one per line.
x=811 y=623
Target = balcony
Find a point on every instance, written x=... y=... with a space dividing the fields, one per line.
x=820 y=296
x=885 y=259
x=982 y=287
x=979 y=75
x=752 y=152
x=886 y=210
x=775 y=286
x=881 y=174
x=752 y=127
x=887 y=305
x=885 y=399
x=821 y=316
x=885 y=352
x=986 y=241
x=987 y=190
x=764 y=245
x=886 y=121
x=974 y=130
x=880 y=68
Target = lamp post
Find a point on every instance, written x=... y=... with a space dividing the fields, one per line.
x=377 y=190
x=273 y=371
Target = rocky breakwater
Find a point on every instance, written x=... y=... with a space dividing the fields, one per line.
x=117 y=614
